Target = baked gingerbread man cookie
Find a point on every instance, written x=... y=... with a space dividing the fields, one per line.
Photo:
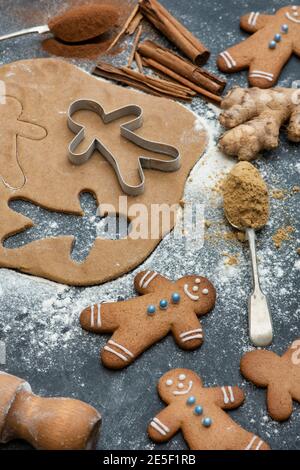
x=265 y=53
x=140 y=322
x=280 y=375
x=199 y=412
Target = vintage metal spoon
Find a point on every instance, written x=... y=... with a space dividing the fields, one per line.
x=260 y=321
x=36 y=29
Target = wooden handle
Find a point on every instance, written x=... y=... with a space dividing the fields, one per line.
x=46 y=423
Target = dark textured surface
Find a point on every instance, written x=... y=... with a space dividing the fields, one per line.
x=39 y=319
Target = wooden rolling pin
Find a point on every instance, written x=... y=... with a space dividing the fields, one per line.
x=46 y=423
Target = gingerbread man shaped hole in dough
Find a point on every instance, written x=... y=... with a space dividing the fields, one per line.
x=15 y=128
x=140 y=322
x=265 y=53
x=280 y=375
x=199 y=413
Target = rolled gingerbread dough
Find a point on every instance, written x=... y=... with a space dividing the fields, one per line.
x=37 y=96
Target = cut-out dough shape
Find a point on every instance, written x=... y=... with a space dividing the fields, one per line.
x=46 y=87
x=126 y=130
x=11 y=131
x=85 y=229
x=280 y=375
x=199 y=412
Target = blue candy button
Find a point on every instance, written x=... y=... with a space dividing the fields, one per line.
x=207 y=422
x=191 y=401
x=163 y=304
x=151 y=309
x=198 y=410
x=175 y=298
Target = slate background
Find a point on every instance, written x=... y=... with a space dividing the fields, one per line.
x=128 y=399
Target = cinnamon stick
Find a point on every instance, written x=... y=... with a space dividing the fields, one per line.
x=124 y=28
x=139 y=62
x=161 y=68
x=134 y=23
x=154 y=82
x=174 y=31
x=151 y=85
x=182 y=67
x=134 y=47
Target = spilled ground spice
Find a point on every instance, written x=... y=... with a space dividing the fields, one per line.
x=282 y=234
x=231 y=260
x=235 y=236
x=278 y=194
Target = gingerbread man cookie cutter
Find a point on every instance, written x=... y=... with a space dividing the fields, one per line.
x=127 y=130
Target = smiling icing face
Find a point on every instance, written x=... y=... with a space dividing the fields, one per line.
x=195 y=288
x=293 y=14
x=180 y=385
x=176 y=383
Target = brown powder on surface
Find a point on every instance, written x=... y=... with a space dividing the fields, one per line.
x=296 y=189
x=246 y=198
x=278 y=193
x=237 y=235
x=298 y=251
x=231 y=260
x=282 y=234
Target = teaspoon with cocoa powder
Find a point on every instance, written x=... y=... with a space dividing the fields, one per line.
x=77 y=24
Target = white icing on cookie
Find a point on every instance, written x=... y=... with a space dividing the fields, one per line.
x=289 y=17
x=92 y=316
x=119 y=346
x=253 y=18
x=182 y=376
x=230 y=62
x=226 y=399
x=259 y=445
x=169 y=382
x=159 y=426
x=195 y=288
x=116 y=353
x=230 y=392
x=260 y=72
x=186 y=333
x=184 y=392
x=197 y=280
x=147 y=278
x=205 y=291
x=251 y=443
x=189 y=294
x=189 y=338
x=99 y=321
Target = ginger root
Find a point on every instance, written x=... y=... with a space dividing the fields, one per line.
x=255 y=116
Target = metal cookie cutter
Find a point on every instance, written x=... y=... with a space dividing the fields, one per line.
x=127 y=130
